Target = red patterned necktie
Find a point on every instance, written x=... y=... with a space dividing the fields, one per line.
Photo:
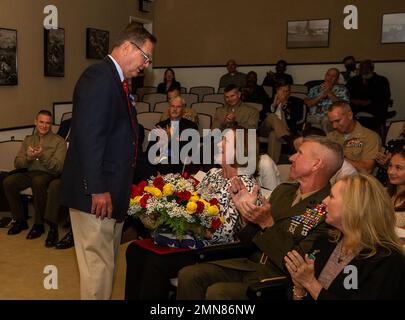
x=126 y=89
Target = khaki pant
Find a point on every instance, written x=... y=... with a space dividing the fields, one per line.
x=274 y=128
x=321 y=122
x=97 y=247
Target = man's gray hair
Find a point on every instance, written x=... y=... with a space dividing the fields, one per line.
x=340 y=104
x=336 y=149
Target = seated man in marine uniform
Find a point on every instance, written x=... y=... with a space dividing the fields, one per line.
x=288 y=220
x=360 y=145
x=235 y=112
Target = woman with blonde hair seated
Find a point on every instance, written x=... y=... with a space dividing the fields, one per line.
x=362 y=258
x=396 y=175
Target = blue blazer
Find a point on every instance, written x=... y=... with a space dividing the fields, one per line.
x=102 y=145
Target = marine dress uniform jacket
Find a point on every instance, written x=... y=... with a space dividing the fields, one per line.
x=273 y=243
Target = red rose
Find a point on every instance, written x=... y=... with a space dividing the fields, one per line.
x=159 y=183
x=183 y=196
x=216 y=223
x=142 y=185
x=144 y=199
x=200 y=207
x=213 y=202
x=185 y=175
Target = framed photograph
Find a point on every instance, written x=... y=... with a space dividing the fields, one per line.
x=308 y=34
x=8 y=57
x=97 y=43
x=393 y=28
x=54 y=52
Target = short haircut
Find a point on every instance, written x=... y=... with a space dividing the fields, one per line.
x=336 y=161
x=341 y=105
x=44 y=112
x=252 y=72
x=369 y=63
x=348 y=58
x=336 y=69
x=135 y=33
x=282 y=81
x=282 y=61
x=231 y=87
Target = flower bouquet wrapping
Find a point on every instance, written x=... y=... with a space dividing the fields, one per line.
x=171 y=206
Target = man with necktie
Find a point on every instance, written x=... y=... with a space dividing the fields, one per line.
x=97 y=176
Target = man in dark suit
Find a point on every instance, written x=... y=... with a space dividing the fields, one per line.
x=169 y=160
x=98 y=171
x=279 y=119
x=273 y=228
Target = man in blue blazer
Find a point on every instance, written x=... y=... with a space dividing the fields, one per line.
x=97 y=175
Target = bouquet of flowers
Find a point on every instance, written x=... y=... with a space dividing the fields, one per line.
x=172 y=201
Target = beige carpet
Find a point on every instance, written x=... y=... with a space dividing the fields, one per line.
x=22 y=264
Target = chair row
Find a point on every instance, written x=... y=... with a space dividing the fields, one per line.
x=149 y=120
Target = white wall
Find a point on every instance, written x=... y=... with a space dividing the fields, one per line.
x=189 y=77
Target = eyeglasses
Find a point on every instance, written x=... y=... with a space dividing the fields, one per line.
x=146 y=58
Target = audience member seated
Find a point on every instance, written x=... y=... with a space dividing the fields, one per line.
x=188 y=113
x=351 y=69
x=254 y=93
x=363 y=239
x=321 y=97
x=272 y=78
x=360 y=145
x=273 y=227
x=233 y=76
x=235 y=112
x=346 y=169
x=396 y=175
x=148 y=273
x=280 y=120
x=172 y=127
x=42 y=155
x=383 y=157
x=370 y=92
x=169 y=81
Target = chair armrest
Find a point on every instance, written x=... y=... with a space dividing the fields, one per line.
x=270 y=289
x=224 y=251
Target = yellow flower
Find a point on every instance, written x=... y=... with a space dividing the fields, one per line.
x=191 y=207
x=154 y=191
x=167 y=190
x=213 y=210
x=206 y=203
x=194 y=198
x=134 y=200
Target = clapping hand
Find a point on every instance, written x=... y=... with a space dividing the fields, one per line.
x=301 y=269
x=245 y=203
x=34 y=153
x=229 y=117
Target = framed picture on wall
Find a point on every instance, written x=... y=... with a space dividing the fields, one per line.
x=393 y=28
x=308 y=33
x=54 y=52
x=97 y=43
x=8 y=57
